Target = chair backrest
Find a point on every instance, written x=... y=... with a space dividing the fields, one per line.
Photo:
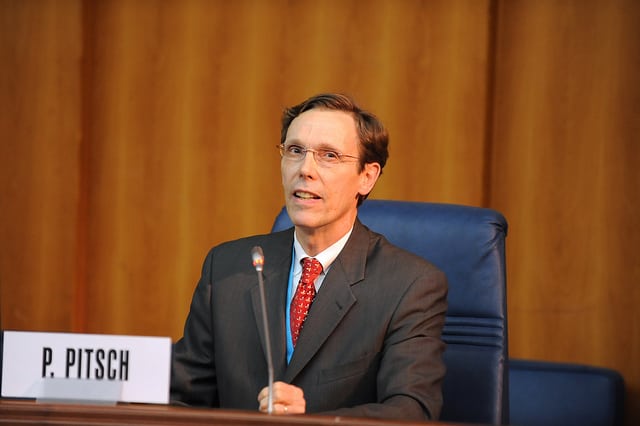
x=468 y=244
x=546 y=393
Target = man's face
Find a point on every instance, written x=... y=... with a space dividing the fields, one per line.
x=323 y=199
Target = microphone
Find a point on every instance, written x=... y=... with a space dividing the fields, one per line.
x=257 y=258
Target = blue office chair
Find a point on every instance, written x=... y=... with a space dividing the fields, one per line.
x=544 y=393
x=468 y=244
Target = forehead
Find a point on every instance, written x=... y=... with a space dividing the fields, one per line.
x=323 y=127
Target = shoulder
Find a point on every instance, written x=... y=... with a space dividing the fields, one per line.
x=369 y=257
x=389 y=279
x=244 y=245
x=231 y=251
x=379 y=249
x=397 y=267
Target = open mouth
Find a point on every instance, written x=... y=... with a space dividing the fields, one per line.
x=305 y=195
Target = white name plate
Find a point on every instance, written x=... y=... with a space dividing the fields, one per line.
x=86 y=367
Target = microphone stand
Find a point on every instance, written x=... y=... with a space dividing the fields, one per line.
x=258 y=263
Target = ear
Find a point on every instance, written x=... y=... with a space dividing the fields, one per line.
x=369 y=177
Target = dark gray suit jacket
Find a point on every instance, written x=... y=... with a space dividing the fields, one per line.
x=371 y=344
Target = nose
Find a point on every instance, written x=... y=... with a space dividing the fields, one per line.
x=308 y=165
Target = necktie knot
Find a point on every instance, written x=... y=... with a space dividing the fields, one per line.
x=311 y=269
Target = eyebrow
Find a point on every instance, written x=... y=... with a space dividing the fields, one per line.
x=323 y=145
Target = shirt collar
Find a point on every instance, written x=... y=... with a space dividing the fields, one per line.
x=325 y=257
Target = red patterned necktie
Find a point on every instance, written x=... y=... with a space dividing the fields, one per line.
x=305 y=293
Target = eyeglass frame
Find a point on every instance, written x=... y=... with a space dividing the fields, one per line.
x=283 y=148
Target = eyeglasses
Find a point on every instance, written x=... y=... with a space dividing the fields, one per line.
x=324 y=157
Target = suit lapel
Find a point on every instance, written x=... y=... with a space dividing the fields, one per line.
x=332 y=302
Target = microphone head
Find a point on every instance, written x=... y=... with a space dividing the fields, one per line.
x=257 y=257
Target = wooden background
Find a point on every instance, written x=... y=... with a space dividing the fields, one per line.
x=134 y=135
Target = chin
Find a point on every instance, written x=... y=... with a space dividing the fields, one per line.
x=302 y=218
x=302 y=222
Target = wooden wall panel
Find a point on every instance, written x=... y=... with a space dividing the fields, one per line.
x=565 y=173
x=433 y=96
x=184 y=117
x=178 y=158
x=40 y=52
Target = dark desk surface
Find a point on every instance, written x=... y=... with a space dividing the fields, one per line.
x=36 y=413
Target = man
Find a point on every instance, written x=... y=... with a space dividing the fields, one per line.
x=370 y=342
